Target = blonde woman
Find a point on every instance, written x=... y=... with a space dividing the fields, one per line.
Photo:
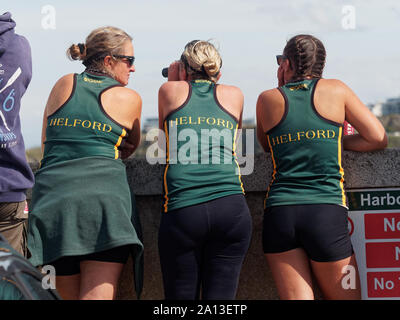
x=81 y=213
x=206 y=225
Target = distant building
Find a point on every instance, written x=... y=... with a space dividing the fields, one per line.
x=390 y=106
x=150 y=123
x=248 y=123
x=376 y=109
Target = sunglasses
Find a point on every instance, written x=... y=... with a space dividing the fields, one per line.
x=279 y=59
x=129 y=59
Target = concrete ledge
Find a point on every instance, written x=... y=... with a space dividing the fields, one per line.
x=362 y=170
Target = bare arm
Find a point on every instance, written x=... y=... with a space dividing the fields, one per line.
x=166 y=97
x=269 y=112
x=261 y=136
x=238 y=98
x=161 y=104
x=124 y=105
x=133 y=140
x=371 y=133
x=168 y=91
x=169 y=98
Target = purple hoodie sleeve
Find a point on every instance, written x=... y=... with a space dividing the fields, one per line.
x=15 y=76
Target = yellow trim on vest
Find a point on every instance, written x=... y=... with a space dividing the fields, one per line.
x=123 y=134
x=234 y=155
x=340 y=166
x=202 y=80
x=273 y=173
x=166 y=168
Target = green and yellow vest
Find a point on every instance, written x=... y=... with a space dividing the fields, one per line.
x=201 y=161
x=306 y=151
x=81 y=127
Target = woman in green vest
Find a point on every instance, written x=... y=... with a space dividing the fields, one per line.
x=205 y=225
x=82 y=221
x=305 y=221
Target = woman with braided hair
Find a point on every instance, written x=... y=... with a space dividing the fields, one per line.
x=305 y=220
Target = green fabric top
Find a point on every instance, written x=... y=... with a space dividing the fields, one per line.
x=82 y=206
x=306 y=151
x=81 y=127
x=201 y=160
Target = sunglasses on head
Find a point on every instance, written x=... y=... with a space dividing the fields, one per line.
x=129 y=59
x=279 y=59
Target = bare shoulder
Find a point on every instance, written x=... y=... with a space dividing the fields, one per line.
x=123 y=96
x=231 y=97
x=124 y=92
x=171 y=88
x=60 y=93
x=65 y=82
x=231 y=90
x=270 y=109
x=66 y=79
x=333 y=85
x=269 y=97
x=122 y=104
x=269 y=93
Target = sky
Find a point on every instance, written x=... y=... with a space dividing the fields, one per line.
x=360 y=37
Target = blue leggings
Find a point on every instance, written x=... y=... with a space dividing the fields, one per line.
x=202 y=248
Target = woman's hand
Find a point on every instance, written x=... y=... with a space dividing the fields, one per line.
x=175 y=71
x=281 y=76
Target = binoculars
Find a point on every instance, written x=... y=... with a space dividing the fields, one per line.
x=164 y=72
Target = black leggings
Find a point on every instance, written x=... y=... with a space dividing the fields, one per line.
x=70 y=265
x=203 y=246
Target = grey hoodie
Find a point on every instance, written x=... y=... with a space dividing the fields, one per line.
x=15 y=76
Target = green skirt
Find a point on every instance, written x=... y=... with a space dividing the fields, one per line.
x=80 y=207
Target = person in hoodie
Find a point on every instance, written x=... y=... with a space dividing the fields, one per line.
x=15 y=174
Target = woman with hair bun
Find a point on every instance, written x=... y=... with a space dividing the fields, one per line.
x=305 y=220
x=82 y=219
x=205 y=226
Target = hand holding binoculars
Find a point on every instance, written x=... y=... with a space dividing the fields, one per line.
x=164 y=72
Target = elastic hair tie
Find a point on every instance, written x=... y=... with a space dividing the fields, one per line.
x=81 y=48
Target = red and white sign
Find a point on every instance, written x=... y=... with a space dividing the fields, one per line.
x=383 y=284
x=347 y=129
x=383 y=254
x=382 y=226
x=374 y=222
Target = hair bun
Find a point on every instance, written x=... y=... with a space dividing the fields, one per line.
x=211 y=67
x=77 y=51
x=82 y=48
x=203 y=59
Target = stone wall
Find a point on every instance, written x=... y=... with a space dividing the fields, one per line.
x=362 y=170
